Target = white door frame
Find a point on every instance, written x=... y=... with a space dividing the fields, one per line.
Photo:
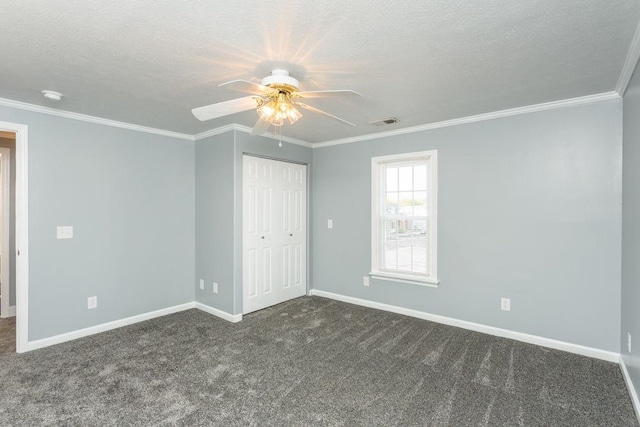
x=5 y=158
x=305 y=219
x=22 y=233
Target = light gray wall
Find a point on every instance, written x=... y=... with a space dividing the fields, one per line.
x=631 y=231
x=214 y=220
x=130 y=197
x=529 y=208
x=219 y=211
x=11 y=144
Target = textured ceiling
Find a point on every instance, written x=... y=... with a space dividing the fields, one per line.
x=149 y=62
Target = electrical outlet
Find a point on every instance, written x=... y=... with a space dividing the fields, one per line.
x=505 y=304
x=629 y=341
x=92 y=302
x=365 y=280
x=201 y=283
x=64 y=232
x=215 y=287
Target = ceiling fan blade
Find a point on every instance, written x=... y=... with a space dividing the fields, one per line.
x=324 y=113
x=225 y=108
x=249 y=87
x=260 y=127
x=325 y=93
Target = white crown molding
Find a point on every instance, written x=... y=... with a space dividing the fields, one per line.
x=214 y=132
x=486 y=329
x=633 y=55
x=245 y=129
x=91 y=119
x=123 y=125
x=429 y=126
x=478 y=118
x=632 y=390
x=277 y=137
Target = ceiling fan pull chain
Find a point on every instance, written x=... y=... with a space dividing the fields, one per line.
x=279 y=135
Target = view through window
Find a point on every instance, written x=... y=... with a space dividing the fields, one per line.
x=404 y=216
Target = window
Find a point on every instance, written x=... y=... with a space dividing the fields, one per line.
x=404 y=218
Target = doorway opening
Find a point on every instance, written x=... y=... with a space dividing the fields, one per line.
x=7 y=242
x=20 y=252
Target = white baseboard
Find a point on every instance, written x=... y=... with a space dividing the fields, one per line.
x=69 y=336
x=233 y=318
x=10 y=313
x=630 y=387
x=505 y=333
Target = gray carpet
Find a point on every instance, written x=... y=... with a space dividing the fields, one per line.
x=8 y=335
x=310 y=361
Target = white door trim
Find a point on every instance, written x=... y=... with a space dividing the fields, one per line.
x=6 y=231
x=22 y=233
x=293 y=285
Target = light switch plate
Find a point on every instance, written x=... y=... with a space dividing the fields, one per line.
x=329 y=223
x=65 y=232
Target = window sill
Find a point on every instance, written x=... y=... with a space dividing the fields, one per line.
x=431 y=283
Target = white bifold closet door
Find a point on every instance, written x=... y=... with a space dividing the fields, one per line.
x=274 y=232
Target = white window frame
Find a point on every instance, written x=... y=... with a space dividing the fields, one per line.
x=376 y=199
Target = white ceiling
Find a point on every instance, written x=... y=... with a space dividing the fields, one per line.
x=149 y=62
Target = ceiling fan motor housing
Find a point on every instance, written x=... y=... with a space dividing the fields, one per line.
x=281 y=80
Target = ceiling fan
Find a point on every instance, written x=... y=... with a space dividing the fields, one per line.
x=275 y=99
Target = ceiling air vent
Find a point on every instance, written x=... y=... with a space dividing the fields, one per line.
x=384 y=122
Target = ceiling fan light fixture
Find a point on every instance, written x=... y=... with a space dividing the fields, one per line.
x=293 y=115
x=278 y=109
x=266 y=111
x=275 y=99
x=277 y=120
